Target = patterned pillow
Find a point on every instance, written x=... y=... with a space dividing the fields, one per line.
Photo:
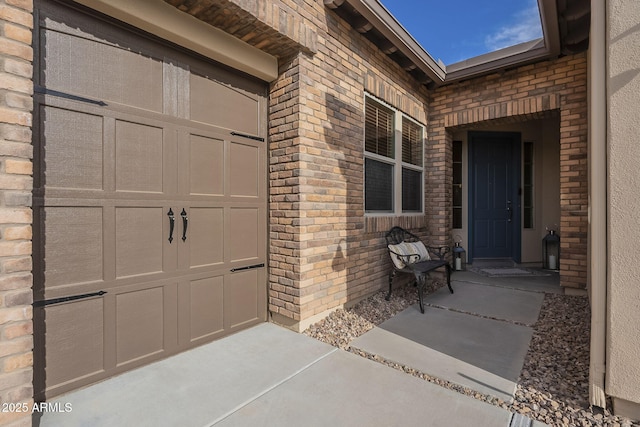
x=408 y=253
x=420 y=249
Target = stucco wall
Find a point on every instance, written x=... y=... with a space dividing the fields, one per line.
x=623 y=86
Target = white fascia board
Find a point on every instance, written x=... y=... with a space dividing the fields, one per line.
x=550 y=28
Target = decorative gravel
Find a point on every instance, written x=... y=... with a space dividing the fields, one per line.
x=554 y=381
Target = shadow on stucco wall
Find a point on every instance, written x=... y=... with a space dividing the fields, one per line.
x=619 y=81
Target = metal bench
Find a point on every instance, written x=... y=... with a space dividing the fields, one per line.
x=410 y=255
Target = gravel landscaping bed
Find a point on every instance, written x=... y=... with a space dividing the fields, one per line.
x=553 y=385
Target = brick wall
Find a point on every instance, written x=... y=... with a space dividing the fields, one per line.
x=276 y=27
x=324 y=252
x=16 y=89
x=524 y=93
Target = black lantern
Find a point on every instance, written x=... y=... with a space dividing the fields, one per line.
x=459 y=255
x=551 y=251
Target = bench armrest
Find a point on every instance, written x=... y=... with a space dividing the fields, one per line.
x=439 y=251
x=406 y=258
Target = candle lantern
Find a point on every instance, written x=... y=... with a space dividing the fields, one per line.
x=459 y=255
x=551 y=251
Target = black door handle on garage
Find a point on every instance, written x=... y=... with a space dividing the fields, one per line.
x=172 y=223
x=185 y=224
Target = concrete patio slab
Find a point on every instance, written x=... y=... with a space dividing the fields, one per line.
x=491 y=301
x=347 y=390
x=196 y=387
x=270 y=376
x=482 y=354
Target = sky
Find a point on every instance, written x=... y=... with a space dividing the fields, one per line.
x=455 y=30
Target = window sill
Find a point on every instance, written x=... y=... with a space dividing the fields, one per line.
x=383 y=222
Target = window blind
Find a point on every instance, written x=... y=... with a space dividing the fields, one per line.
x=411 y=142
x=378 y=129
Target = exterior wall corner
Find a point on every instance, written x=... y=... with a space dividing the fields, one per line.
x=16 y=153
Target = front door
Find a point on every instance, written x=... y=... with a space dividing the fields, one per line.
x=494 y=215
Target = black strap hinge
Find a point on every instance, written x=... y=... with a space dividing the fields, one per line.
x=247 y=267
x=244 y=135
x=65 y=299
x=45 y=91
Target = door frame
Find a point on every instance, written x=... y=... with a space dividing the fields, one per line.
x=516 y=161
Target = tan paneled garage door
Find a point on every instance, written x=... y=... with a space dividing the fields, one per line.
x=149 y=201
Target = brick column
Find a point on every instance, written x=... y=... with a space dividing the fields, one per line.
x=438 y=192
x=16 y=103
x=284 y=195
x=574 y=185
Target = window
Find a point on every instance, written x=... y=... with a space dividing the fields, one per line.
x=528 y=187
x=379 y=163
x=393 y=163
x=412 y=153
x=457 y=184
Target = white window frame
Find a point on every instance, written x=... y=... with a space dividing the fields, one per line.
x=396 y=162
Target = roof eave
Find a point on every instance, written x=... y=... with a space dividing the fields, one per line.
x=548 y=46
x=525 y=53
x=381 y=18
x=509 y=57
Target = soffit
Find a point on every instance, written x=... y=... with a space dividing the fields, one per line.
x=375 y=23
x=254 y=24
x=565 y=27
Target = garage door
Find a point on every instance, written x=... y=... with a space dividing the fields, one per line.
x=149 y=201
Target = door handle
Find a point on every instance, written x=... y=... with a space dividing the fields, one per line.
x=509 y=211
x=185 y=223
x=172 y=223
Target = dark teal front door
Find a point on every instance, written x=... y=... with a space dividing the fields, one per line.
x=494 y=178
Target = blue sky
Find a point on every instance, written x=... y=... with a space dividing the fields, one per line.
x=455 y=30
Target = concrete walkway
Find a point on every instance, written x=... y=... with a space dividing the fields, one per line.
x=270 y=376
x=477 y=337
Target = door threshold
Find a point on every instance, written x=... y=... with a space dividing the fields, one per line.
x=493 y=262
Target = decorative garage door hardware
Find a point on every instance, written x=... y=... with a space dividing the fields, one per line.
x=249 y=267
x=172 y=223
x=65 y=299
x=244 y=135
x=45 y=91
x=185 y=223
